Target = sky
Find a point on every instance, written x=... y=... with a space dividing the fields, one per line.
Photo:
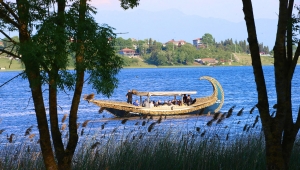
x=230 y=10
x=132 y=21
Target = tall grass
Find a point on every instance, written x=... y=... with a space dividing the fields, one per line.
x=150 y=146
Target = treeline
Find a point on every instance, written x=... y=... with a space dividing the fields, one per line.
x=167 y=53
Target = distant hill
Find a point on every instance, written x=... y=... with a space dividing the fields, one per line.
x=173 y=24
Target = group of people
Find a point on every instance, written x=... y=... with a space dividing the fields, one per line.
x=186 y=100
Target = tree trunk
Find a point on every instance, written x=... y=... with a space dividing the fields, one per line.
x=73 y=135
x=280 y=131
x=33 y=73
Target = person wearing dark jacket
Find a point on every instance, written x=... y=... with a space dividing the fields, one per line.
x=129 y=97
x=189 y=100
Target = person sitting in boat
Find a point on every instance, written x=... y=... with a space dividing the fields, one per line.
x=156 y=104
x=189 y=100
x=151 y=104
x=194 y=101
x=160 y=103
x=136 y=103
x=184 y=98
x=174 y=102
x=169 y=103
x=145 y=103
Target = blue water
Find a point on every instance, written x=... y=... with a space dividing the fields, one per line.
x=17 y=111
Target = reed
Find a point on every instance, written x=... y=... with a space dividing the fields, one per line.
x=124 y=121
x=240 y=112
x=156 y=147
x=162 y=151
x=229 y=113
x=85 y=123
x=31 y=136
x=64 y=118
x=1 y=131
x=63 y=126
x=28 y=130
x=151 y=126
x=252 y=109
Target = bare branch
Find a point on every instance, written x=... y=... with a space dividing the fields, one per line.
x=31 y=97
x=11 y=79
x=9 y=53
x=8 y=37
x=66 y=93
x=7 y=19
x=9 y=10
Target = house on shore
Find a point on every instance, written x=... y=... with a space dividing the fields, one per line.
x=127 y=52
x=209 y=61
x=178 y=43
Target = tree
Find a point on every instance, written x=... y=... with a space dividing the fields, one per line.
x=45 y=56
x=279 y=131
x=120 y=43
x=207 y=39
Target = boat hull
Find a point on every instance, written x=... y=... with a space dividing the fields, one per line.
x=205 y=105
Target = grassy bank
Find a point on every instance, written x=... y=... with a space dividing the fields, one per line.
x=10 y=64
x=239 y=58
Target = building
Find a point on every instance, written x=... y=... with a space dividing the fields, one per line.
x=178 y=43
x=127 y=52
x=209 y=61
x=198 y=43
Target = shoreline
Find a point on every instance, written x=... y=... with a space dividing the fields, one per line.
x=137 y=67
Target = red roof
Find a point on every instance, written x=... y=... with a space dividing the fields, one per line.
x=127 y=49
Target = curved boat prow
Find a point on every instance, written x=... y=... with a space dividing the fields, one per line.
x=218 y=92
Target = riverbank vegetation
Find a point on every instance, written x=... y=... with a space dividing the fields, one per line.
x=139 y=62
x=149 y=145
x=151 y=53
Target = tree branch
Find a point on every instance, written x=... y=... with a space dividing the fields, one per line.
x=12 y=79
x=297 y=124
x=289 y=33
x=263 y=103
x=294 y=63
x=8 y=37
x=10 y=10
x=7 y=19
x=9 y=53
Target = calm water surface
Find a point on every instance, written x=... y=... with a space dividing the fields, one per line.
x=17 y=111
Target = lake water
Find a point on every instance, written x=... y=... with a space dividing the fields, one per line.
x=17 y=111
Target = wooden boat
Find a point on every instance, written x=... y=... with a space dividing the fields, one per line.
x=204 y=105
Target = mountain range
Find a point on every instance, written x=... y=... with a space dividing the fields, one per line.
x=163 y=26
